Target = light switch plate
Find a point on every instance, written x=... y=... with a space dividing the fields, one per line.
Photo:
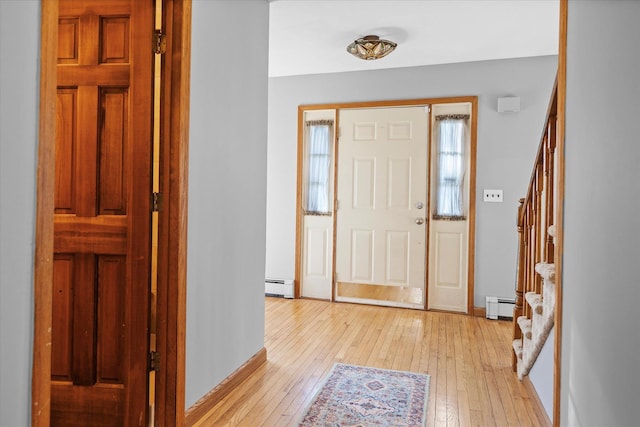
x=492 y=196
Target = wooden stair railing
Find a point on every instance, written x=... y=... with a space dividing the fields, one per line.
x=535 y=295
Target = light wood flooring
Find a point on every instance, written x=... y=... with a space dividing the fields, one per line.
x=468 y=359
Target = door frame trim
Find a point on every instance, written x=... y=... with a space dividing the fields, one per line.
x=172 y=252
x=473 y=100
x=172 y=221
x=559 y=247
x=45 y=189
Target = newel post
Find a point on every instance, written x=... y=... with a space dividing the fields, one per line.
x=518 y=307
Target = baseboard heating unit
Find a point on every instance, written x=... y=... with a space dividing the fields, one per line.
x=278 y=288
x=500 y=308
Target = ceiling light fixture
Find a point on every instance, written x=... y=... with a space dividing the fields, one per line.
x=371 y=47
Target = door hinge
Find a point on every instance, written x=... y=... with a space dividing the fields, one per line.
x=156 y=201
x=427 y=109
x=159 y=42
x=154 y=361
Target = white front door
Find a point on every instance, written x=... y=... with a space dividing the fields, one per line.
x=382 y=205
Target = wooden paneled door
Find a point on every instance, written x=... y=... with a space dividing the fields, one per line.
x=102 y=236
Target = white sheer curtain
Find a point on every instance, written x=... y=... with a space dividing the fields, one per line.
x=318 y=162
x=451 y=166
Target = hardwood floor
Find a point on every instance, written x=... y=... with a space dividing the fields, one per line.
x=468 y=359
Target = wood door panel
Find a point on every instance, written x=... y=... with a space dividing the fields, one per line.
x=62 y=321
x=83 y=353
x=64 y=198
x=73 y=8
x=89 y=37
x=86 y=151
x=68 y=40
x=115 y=46
x=116 y=75
x=105 y=234
x=83 y=291
x=102 y=218
x=83 y=407
x=112 y=149
x=111 y=318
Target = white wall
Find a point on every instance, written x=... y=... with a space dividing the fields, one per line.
x=601 y=316
x=506 y=147
x=19 y=83
x=541 y=374
x=227 y=190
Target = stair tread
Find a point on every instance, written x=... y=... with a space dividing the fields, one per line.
x=535 y=301
x=517 y=348
x=525 y=326
x=547 y=271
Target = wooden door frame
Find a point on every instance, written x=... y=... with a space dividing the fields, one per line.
x=172 y=244
x=560 y=174
x=473 y=100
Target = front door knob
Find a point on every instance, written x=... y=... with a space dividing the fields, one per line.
x=419 y=221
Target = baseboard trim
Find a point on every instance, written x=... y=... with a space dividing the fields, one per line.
x=480 y=311
x=316 y=299
x=201 y=408
x=544 y=418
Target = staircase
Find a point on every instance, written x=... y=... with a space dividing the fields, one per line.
x=535 y=308
x=535 y=330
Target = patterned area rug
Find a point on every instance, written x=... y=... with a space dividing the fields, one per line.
x=357 y=396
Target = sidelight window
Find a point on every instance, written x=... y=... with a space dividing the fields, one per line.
x=318 y=150
x=451 y=165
